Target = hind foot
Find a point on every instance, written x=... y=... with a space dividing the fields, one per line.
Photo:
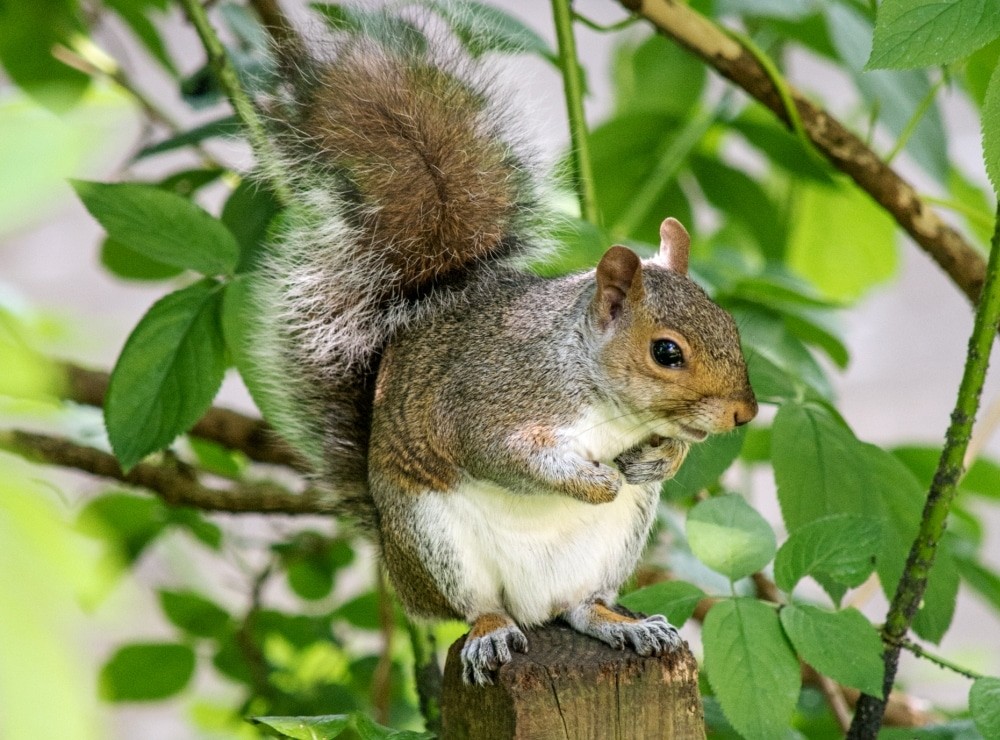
x=652 y=635
x=488 y=646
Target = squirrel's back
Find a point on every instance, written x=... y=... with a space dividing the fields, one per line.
x=408 y=178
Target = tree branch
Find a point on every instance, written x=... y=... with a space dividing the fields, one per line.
x=251 y=436
x=845 y=151
x=175 y=484
x=913 y=583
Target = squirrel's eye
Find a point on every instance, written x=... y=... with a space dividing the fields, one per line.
x=667 y=353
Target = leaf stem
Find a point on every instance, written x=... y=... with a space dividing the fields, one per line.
x=919 y=651
x=602 y=28
x=971 y=213
x=915 y=119
x=913 y=583
x=573 y=87
x=239 y=99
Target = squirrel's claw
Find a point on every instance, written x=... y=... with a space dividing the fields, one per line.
x=652 y=635
x=484 y=652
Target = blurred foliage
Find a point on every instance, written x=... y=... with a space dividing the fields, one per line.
x=311 y=647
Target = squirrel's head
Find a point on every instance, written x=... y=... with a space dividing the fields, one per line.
x=666 y=347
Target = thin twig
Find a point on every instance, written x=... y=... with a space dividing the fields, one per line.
x=913 y=583
x=381 y=691
x=175 y=484
x=920 y=652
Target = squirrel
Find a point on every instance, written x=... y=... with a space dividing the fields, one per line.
x=503 y=437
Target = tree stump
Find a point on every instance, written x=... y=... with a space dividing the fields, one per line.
x=572 y=687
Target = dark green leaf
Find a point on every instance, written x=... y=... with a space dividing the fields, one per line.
x=146 y=672
x=581 y=246
x=842 y=645
x=730 y=537
x=161 y=225
x=187 y=182
x=742 y=199
x=705 y=464
x=131 y=521
x=751 y=667
x=247 y=214
x=30 y=30
x=361 y=611
x=228 y=126
x=307 y=728
x=132 y=265
x=979 y=68
x=133 y=12
x=920 y=33
x=192 y=520
x=991 y=128
x=841 y=547
x=675 y=600
x=310 y=579
x=773 y=141
x=819 y=465
x=982 y=478
x=984 y=703
x=485 y=28
x=168 y=373
x=657 y=75
x=385 y=28
x=757 y=445
x=983 y=579
x=193 y=613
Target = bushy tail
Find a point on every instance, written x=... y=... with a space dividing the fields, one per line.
x=408 y=177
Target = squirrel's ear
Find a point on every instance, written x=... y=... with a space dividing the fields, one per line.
x=619 y=279
x=675 y=245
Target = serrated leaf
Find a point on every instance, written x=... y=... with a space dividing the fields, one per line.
x=751 y=667
x=841 y=547
x=676 y=600
x=730 y=537
x=984 y=703
x=834 y=227
x=146 y=672
x=127 y=263
x=705 y=463
x=920 y=33
x=193 y=613
x=161 y=225
x=323 y=727
x=991 y=129
x=168 y=372
x=818 y=465
x=842 y=645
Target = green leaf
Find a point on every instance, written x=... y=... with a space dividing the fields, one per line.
x=790 y=9
x=730 y=537
x=485 y=28
x=248 y=212
x=227 y=126
x=921 y=33
x=387 y=29
x=193 y=613
x=133 y=12
x=774 y=141
x=127 y=263
x=168 y=372
x=841 y=547
x=657 y=75
x=361 y=611
x=751 y=667
x=676 y=600
x=705 y=464
x=146 y=672
x=310 y=579
x=841 y=241
x=322 y=727
x=984 y=703
x=819 y=465
x=161 y=225
x=842 y=645
x=978 y=70
x=193 y=521
x=30 y=31
x=217 y=459
x=369 y=730
x=973 y=197
x=991 y=128
x=130 y=521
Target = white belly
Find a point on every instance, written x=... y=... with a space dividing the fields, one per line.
x=534 y=556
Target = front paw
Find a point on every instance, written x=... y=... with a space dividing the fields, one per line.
x=601 y=484
x=658 y=459
x=483 y=654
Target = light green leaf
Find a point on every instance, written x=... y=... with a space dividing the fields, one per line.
x=841 y=547
x=369 y=730
x=984 y=703
x=657 y=75
x=790 y=9
x=161 y=225
x=705 y=463
x=730 y=537
x=981 y=209
x=146 y=672
x=920 y=33
x=484 y=28
x=841 y=241
x=991 y=128
x=131 y=522
x=842 y=645
x=675 y=600
x=819 y=465
x=322 y=727
x=751 y=667
x=168 y=372
x=194 y=613
x=978 y=70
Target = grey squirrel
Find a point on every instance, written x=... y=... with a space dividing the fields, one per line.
x=503 y=437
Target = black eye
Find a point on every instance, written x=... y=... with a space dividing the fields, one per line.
x=668 y=353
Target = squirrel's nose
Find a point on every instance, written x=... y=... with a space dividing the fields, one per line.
x=744 y=411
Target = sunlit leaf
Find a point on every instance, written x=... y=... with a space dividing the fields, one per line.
x=676 y=600
x=730 y=537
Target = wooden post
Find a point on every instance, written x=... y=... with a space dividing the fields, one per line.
x=572 y=687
